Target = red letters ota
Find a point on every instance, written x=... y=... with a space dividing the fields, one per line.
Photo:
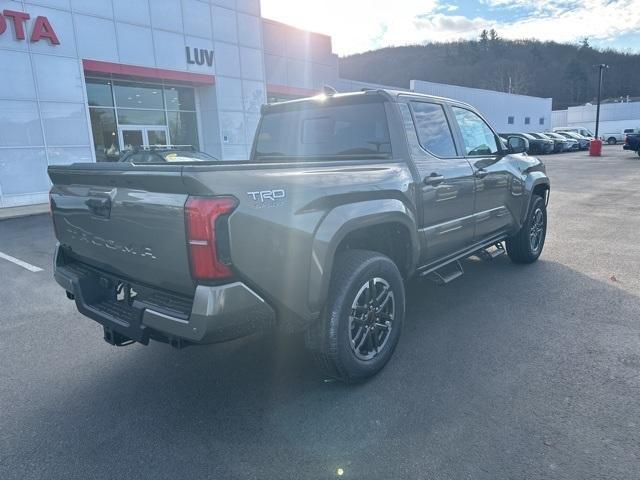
x=42 y=29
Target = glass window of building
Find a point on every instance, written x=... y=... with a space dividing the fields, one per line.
x=105 y=134
x=138 y=96
x=132 y=116
x=183 y=128
x=128 y=115
x=180 y=98
x=99 y=93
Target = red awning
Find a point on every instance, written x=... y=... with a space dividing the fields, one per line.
x=96 y=66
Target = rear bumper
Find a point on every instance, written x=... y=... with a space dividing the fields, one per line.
x=628 y=147
x=214 y=314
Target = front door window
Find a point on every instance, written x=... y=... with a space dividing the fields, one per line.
x=478 y=138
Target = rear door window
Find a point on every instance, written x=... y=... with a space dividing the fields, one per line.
x=434 y=133
x=478 y=138
x=324 y=130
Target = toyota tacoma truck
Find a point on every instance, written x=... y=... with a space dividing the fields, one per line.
x=343 y=199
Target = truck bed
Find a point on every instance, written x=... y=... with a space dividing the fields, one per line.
x=129 y=220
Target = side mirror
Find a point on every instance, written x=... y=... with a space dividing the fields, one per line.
x=517 y=144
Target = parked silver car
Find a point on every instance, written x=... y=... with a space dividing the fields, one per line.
x=568 y=144
x=583 y=142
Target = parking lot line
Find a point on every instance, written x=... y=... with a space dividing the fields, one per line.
x=28 y=266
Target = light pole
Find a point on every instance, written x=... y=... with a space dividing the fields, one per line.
x=601 y=67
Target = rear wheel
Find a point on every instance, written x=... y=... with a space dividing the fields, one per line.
x=362 y=320
x=612 y=141
x=526 y=246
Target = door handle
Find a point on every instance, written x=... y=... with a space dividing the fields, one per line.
x=100 y=207
x=481 y=173
x=434 y=179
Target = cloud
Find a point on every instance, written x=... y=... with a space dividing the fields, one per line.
x=360 y=25
x=437 y=24
x=447 y=7
x=596 y=19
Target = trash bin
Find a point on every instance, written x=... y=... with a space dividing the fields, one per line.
x=595 y=147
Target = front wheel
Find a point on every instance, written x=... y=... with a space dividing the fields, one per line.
x=526 y=246
x=612 y=141
x=361 y=323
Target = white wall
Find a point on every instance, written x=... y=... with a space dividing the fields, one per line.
x=296 y=58
x=558 y=118
x=496 y=107
x=43 y=118
x=614 y=117
x=43 y=105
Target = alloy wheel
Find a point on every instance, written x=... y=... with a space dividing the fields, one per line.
x=536 y=233
x=371 y=318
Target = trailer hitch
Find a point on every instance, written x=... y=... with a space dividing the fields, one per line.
x=115 y=338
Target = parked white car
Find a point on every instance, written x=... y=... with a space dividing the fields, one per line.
x=613 y=138
x=585 y=132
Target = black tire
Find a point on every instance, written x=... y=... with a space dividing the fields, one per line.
x=332 y=339
x=612 y=141
x=521 y=247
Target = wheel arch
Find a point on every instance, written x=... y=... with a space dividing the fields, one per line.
x=535 y=185
x=391 y=229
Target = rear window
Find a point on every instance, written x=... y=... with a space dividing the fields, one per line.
x=349 y=130
x=433 y=129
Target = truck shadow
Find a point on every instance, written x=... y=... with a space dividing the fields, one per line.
x=492 y=355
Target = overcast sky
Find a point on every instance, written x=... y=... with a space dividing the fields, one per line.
x=361 y=25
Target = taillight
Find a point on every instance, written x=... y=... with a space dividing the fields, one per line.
x=201 y=214
x=52 y=206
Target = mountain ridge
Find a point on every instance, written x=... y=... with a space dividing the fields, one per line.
x=564 y=72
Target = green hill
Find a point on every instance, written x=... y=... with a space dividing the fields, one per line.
x=563 y=72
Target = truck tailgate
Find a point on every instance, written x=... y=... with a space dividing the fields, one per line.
x=127 y=221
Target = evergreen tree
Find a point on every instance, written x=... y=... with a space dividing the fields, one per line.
x=484 y=39
x=576 y=81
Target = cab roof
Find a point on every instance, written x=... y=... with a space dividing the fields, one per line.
x=383 y=94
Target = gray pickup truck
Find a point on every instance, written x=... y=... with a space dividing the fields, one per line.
x=344 y=198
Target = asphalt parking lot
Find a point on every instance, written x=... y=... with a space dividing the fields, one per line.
x=510 y=372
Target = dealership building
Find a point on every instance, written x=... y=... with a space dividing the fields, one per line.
x=85 y=80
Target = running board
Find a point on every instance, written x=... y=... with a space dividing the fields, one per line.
x=446 y=274
x=486 y=254
x=424 y=270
